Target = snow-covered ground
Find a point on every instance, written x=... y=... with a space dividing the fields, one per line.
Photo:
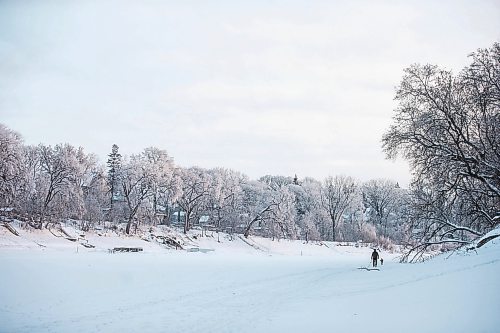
x=49 y=284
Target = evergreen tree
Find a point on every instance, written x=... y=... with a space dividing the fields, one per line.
x=114 y=167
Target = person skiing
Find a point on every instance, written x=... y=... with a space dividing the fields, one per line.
x=374 y=257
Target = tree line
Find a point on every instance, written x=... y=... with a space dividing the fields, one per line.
x=47 y=184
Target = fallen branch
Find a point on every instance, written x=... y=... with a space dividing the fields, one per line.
x=10 y=228
x=483 y=241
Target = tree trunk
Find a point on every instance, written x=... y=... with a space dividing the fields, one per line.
x=130 y=219
x=256 y=218
x=333 y=229
x=127 y=229
x=186 y=221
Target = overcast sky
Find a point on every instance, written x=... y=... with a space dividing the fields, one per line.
x=262 y=87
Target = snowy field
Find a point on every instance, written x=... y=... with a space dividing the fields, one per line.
x=269 y=287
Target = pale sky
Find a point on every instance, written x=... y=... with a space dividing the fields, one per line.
x=262 y=87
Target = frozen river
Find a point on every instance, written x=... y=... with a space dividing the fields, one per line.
x=196 y=292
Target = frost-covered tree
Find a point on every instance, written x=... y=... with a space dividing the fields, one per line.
x=282 y=214
x=194 y=188
x=95 y=197
x=271 y=205
x=27 y=198
x=437 y=219
x=448 y=127
x=84 y=167
x=337 y=195
x=56 y=192
x=136 y=181
x=53 y=179
x=309 y=217
x=11 y=166
x=271 y=202
x=350 y=225
x=257 y=203
x=382 y=198
x=276 y=182
x=90 y=190
x=309 y=227
x=225 y=197
x=165 y=184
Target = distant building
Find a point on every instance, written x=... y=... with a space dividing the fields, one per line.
x=204 y=219
x=178 y=217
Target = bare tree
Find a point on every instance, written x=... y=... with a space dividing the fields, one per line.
x=194 y=184
x=224 y=200
x=382 y=198
x=58 y=172
x=308 y=207
x=271 y=203
x=337 y=194
x=437 y=219
x=11 y=165
x=136 y=185
x=276 y=182
x=282 y=215
x=165 y=184
x=257 y=204
x=94 y=197
x=448 y=127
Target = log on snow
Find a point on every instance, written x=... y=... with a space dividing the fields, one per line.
x=11 y=229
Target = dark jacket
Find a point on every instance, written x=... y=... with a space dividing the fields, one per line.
x=375 y=255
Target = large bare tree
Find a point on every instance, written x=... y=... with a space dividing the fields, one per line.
x=448 y=127
x=11 y=165
x=136 y=181
x=337 y=194
x=382 y=198
x=195 y=184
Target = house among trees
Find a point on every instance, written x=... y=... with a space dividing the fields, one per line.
x=178 y=218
